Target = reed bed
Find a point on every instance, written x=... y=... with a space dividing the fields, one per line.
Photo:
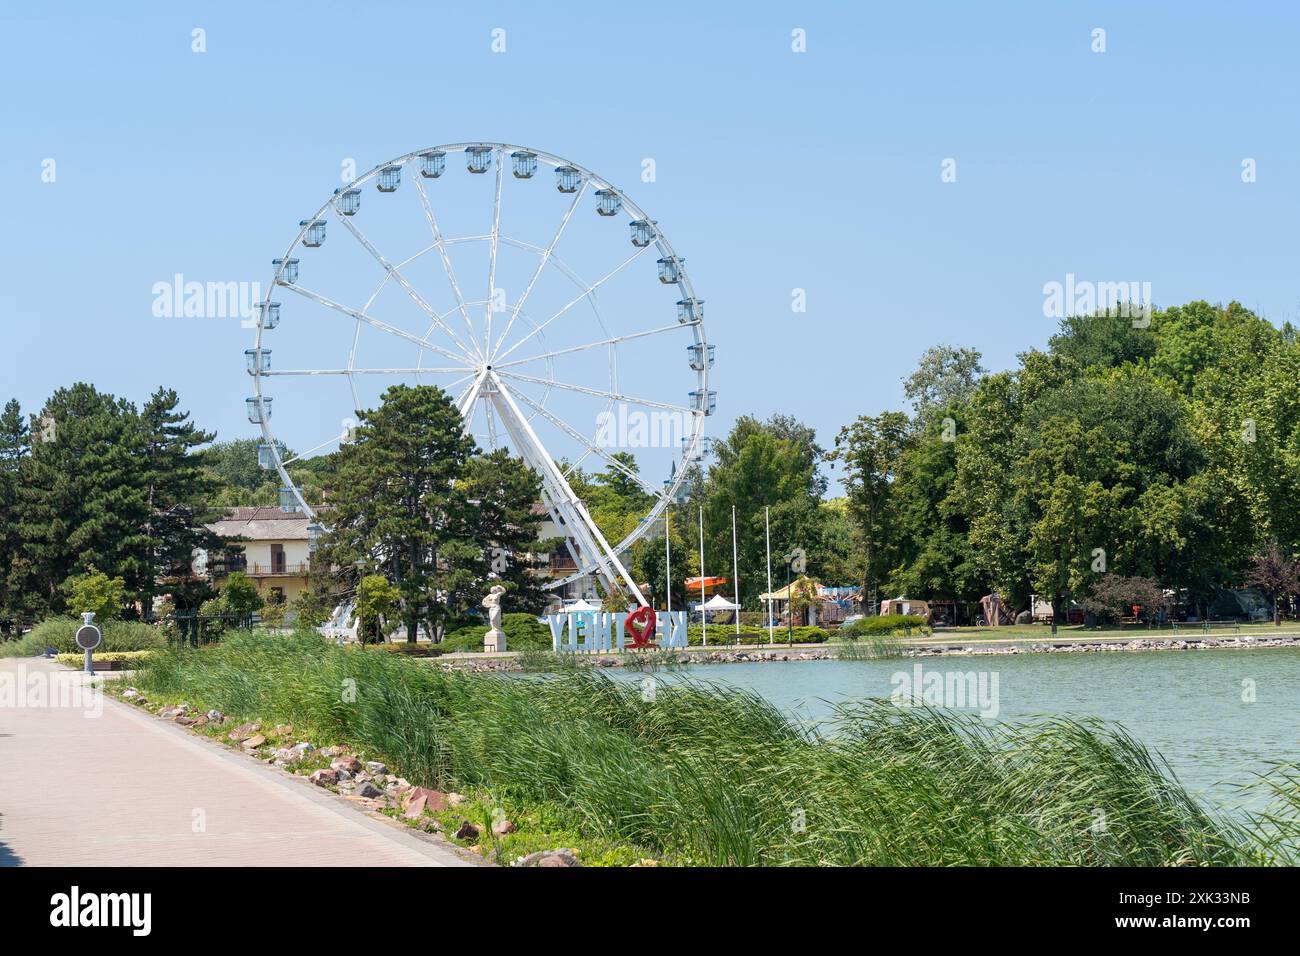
x=716 y=775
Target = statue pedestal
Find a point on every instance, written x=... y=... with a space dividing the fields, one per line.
x=494 y=641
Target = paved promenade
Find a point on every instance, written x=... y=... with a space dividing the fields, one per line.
x=97 y=783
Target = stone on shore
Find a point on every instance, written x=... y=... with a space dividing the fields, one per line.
x=561 y=857
x=324 y=778
x=434 y=800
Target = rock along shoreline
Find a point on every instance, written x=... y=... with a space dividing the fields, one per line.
x=830 y=652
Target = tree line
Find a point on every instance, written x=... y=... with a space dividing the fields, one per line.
x=1161 y=452
x=1124 y=461
x=96 y=489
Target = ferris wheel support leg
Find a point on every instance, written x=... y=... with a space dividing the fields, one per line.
x=557 y=504
x=568 y=502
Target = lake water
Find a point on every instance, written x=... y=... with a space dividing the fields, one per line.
x=1187 y=705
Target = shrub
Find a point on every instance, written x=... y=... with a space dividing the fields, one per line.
x=273 y=613
x=239 y=595
x=95 y=591
x=58 y=632
x=726 y=634
x=523 y=633
x=884 y=624
x=77 y=659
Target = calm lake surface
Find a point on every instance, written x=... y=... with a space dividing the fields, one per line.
x=1187 y=705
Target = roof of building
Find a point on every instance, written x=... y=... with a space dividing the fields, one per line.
x=262 y=523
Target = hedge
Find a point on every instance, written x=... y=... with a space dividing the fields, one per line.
x=726 y=634
x=58 y=632
x=884 y=624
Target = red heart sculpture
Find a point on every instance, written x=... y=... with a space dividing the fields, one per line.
x=640 y=625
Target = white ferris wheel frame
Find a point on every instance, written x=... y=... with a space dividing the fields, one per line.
x=486 y=361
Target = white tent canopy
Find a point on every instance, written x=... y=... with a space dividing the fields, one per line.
x=720 y=603
x=581 y=606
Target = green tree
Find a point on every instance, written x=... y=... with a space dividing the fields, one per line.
x=15 y=445
x=178 y=490
x=83 y=498
x=502 y=491
x=398 y=501
x=377 y=602
x=871 y=450
x=1104 y=341
x=934 y=554
x=945 y=376
x=95 y=592
x=1276 y=575
x=239 y=596
x=756 y=468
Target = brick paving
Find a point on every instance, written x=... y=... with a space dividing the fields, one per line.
x=106 y=785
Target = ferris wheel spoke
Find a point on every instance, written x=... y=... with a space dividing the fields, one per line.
x=492 y=425
x=401 y=280
x=492 y=255
x=311 y=451
x=471 y=392
x=615 y=396
x=615 y=340
x=361 y=371
x=376 y=323
x=441 y=244
x=590 y=289
x=541 y=264
x=592 y=447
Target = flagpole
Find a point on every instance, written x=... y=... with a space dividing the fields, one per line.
x=735 y=574
x=704 y=617
x=767 y=533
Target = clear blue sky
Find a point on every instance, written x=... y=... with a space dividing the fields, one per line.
x=776 y=170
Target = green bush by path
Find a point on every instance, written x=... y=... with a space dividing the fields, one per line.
x=58 y=632
x=523 y=633
x=880 y=624
x=78 y=659
x=721 y=634
x=717 y=775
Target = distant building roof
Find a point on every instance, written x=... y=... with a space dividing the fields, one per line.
x=262 y=523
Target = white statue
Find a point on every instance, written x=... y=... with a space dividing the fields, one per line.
x=495 y=639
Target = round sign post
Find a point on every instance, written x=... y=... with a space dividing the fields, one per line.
x=88 y=638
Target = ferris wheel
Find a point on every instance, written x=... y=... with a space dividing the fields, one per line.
x=569 y=352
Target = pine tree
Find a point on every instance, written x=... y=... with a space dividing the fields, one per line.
x=83 y=499
x=503 y=490
x=15 y=445
x=178 y=489
x=399 y=506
